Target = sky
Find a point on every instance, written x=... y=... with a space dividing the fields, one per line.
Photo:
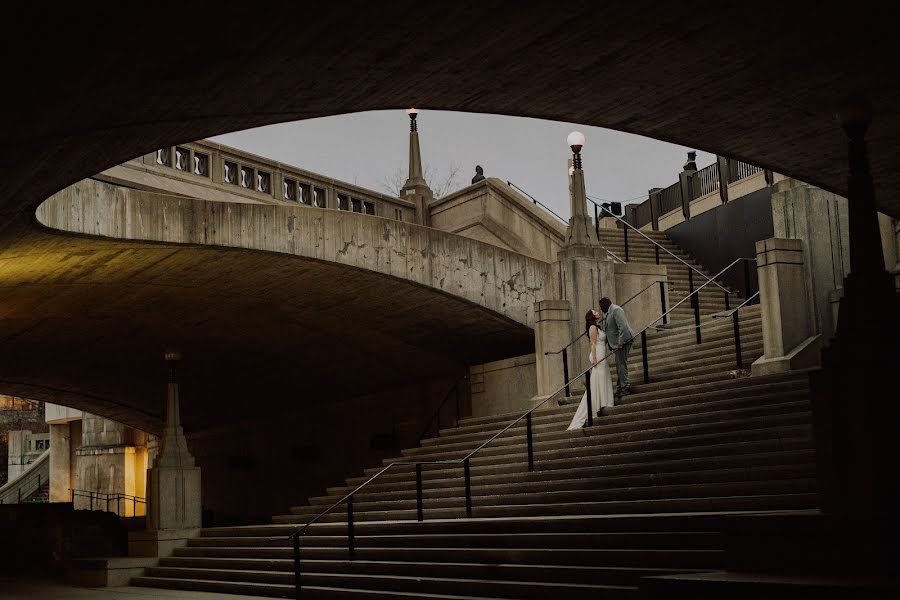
x=369 y=148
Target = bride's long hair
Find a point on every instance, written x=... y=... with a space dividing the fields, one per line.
x=590 y=319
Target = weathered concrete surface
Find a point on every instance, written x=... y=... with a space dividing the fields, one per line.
x=272 y=306
x=502 y=281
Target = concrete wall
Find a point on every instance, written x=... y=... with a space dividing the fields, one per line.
x=260 y=468
x=710 y=201
x=24 y=448
x=631 y=279
x=503 y=386
x=505 y=282
x=820 y=220
x=493 y=212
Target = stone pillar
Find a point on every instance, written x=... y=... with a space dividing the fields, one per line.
x=60 y=463
x=890 y=242
x=790 y=341
x=686 y=184
x=416 y=189
x=587 y=274
x=173 y=485
x=820 y=220
x=855 y=415
x=654 y=196
x=722 y=162
x=551 y=333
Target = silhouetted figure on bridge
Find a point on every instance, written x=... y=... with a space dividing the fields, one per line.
x=479 y=174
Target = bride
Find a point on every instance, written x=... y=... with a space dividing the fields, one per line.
x=601 y=381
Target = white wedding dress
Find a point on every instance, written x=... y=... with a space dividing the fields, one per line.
x=601 y=386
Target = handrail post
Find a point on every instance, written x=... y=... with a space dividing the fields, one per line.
x=107 y=504
x=73 y=498
x=657 y=253
x=662 y=301
x=727 y=300
x=419 y=511
x=587 y=390
x=597 y=220
x=566 y=370
x=644 y=356
x=91 y=495
x=528 y=435
x=134 y=505
x=457 y=404
x=747 y=277
x=19 y=493
x=119 y=505
x=297 y=584
x=467 y=475
x=351 y=534
x=695 y=303
x=625 y=229
x=737 y=339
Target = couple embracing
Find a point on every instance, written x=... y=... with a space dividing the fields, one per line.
x=607 y=331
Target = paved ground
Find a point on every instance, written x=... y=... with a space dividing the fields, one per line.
x=40 y=590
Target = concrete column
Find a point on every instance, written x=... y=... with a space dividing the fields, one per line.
x=723 y=178
x=551 y=333
x=60 y=463
x=790 y=341
x=890 y=242
x=820 y=220
x=173 y=485
x=587 y=274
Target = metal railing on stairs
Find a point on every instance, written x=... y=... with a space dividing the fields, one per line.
x=436 y=416
x=466 y=460
x=564 y=222
x=102 y=501
x=28 y=483
x=565 y=349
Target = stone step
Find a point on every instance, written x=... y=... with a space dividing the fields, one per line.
x=797 y=480
x=638 y=424
x=218 y=579
x=729 y=456
x=281 y=591
x=546 y=573
x=634 y=522
x=652 y=558
x=614 y=415
x=759 y=501
x=572 y=540
x=712 y=387
x=557 y=487
x=699 y=439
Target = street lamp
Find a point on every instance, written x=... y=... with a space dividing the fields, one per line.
x=576 y=142
x=413 y=113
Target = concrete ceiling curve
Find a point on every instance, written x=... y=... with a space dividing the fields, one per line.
x=92 y=88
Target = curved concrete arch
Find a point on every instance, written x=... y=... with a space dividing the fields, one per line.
x=504 y=282
x=286 y=304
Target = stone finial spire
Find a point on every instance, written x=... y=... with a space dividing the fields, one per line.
x=416 y=188
x=415 y=154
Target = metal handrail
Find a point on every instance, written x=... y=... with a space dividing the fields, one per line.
x=538 y=202
x=348 y=498
x=653 y=284
x=657 y=244
x=110 y=497
x=734 y=310
x=551 y=211
x=437 y=413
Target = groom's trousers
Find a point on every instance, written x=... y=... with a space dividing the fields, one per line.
x=622 y=365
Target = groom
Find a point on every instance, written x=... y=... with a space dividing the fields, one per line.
x=619 y=336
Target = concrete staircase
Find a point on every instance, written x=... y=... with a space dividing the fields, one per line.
x=643 y=492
